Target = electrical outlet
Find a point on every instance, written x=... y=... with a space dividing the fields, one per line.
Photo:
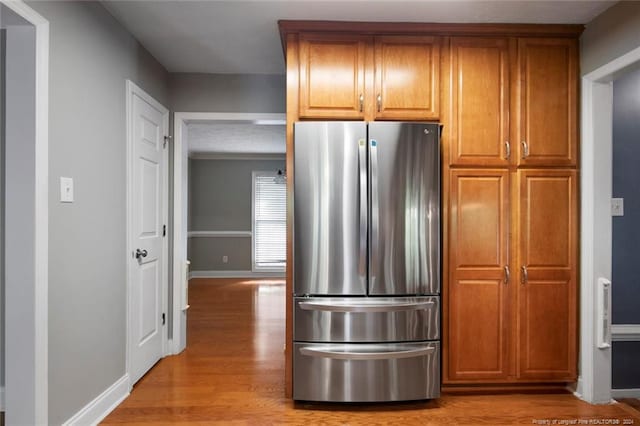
x=225 y=259
x=66 y=189
x=617 y=207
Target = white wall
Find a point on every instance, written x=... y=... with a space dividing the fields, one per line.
x=91 y=56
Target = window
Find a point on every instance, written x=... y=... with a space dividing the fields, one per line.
x=269 y=222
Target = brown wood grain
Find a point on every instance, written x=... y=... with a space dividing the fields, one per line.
x=479 y=291
x=292 y=117
x=480 y=96
x=232 y=374
x=407 y=78
x=548 y=74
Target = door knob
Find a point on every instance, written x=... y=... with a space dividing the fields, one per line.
x=141 y=253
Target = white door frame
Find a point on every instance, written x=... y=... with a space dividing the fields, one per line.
x=180 y=207
x=594 y=383
x=133 y=90
x=36 y=340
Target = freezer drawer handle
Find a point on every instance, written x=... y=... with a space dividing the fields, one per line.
x=364 y=356
x=319 y=306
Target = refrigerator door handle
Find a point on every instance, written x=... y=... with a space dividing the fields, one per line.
x=362 y=177
x=374 y=211
x=375 y=353
x=365 y=307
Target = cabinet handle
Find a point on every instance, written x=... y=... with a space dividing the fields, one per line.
x=507 y=274
x=525 y=275
x=361 y=102
x=379 y=99
x=507 y=150
x=525 y=149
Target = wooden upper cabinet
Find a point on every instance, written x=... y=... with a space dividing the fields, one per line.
x=407 y=78
x=548 y=102
x=547 y=261
x=479 y=276
x=480 y=101
x=332 y=75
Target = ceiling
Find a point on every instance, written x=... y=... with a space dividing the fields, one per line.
x=244 y=138
x=241 y=36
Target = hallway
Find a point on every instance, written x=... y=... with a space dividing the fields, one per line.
x=232 y=373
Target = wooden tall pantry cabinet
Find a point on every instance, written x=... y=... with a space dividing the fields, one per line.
x=507 y=97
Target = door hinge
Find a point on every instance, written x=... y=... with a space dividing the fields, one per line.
x=163 y=318
x=166 y=139
x=164 y=230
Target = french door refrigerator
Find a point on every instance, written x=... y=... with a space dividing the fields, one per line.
x=366 y=261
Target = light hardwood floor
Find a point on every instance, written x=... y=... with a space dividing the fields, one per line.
x=232 y=372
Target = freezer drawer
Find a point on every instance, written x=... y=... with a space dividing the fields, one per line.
x=393 y=319
x=366 y=372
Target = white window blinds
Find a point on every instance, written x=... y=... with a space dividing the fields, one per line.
x=269 y=221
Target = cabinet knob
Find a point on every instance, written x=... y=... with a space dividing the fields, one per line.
x=361 y=98
x=507 y=274
x=507 y=150
x=379 y=99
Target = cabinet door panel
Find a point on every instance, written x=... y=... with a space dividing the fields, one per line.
x=332 y=81
x=480 y=101
x=547 y=260
x=478 y=291
x=407 y=74
x=548 y=101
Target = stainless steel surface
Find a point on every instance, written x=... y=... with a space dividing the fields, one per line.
x=366 y=305
x=364 y=208
x=525 y=149
x=323 y=319
x=374 y=241
x=340 y=378
x=404 y=237
x=326 y=209
x=507 y=274
x=525 y=275
x=365 y=352
x=507 y=150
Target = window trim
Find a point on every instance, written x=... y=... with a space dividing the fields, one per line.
x=254 y=267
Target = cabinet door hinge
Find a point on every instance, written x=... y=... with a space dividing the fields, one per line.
x=164 y=319
x=164 y=230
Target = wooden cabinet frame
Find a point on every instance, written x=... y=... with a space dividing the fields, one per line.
x=291 y=31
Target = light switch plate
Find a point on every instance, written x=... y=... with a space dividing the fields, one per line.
x=66 y=190
x=617 y=207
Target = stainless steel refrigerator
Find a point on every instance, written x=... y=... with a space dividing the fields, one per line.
x=366 y=261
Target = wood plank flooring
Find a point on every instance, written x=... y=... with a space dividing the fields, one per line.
x=232 y=373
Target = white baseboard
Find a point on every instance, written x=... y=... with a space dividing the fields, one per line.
x=235 y=274
x=1 y=398
x=625 y=393
x=625 y=332
x=99 y=408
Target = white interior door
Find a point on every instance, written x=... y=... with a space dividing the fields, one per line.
x=147 y=184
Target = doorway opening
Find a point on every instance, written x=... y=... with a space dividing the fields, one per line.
x=24 y=224
x=229 y=202
x=595 y=367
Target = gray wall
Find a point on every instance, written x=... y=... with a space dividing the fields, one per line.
x=2 y=169
x=91 y=56
x=20 y=313
x=228 y=93
x=626 y=229
x=220 y=200
x=610 y=35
